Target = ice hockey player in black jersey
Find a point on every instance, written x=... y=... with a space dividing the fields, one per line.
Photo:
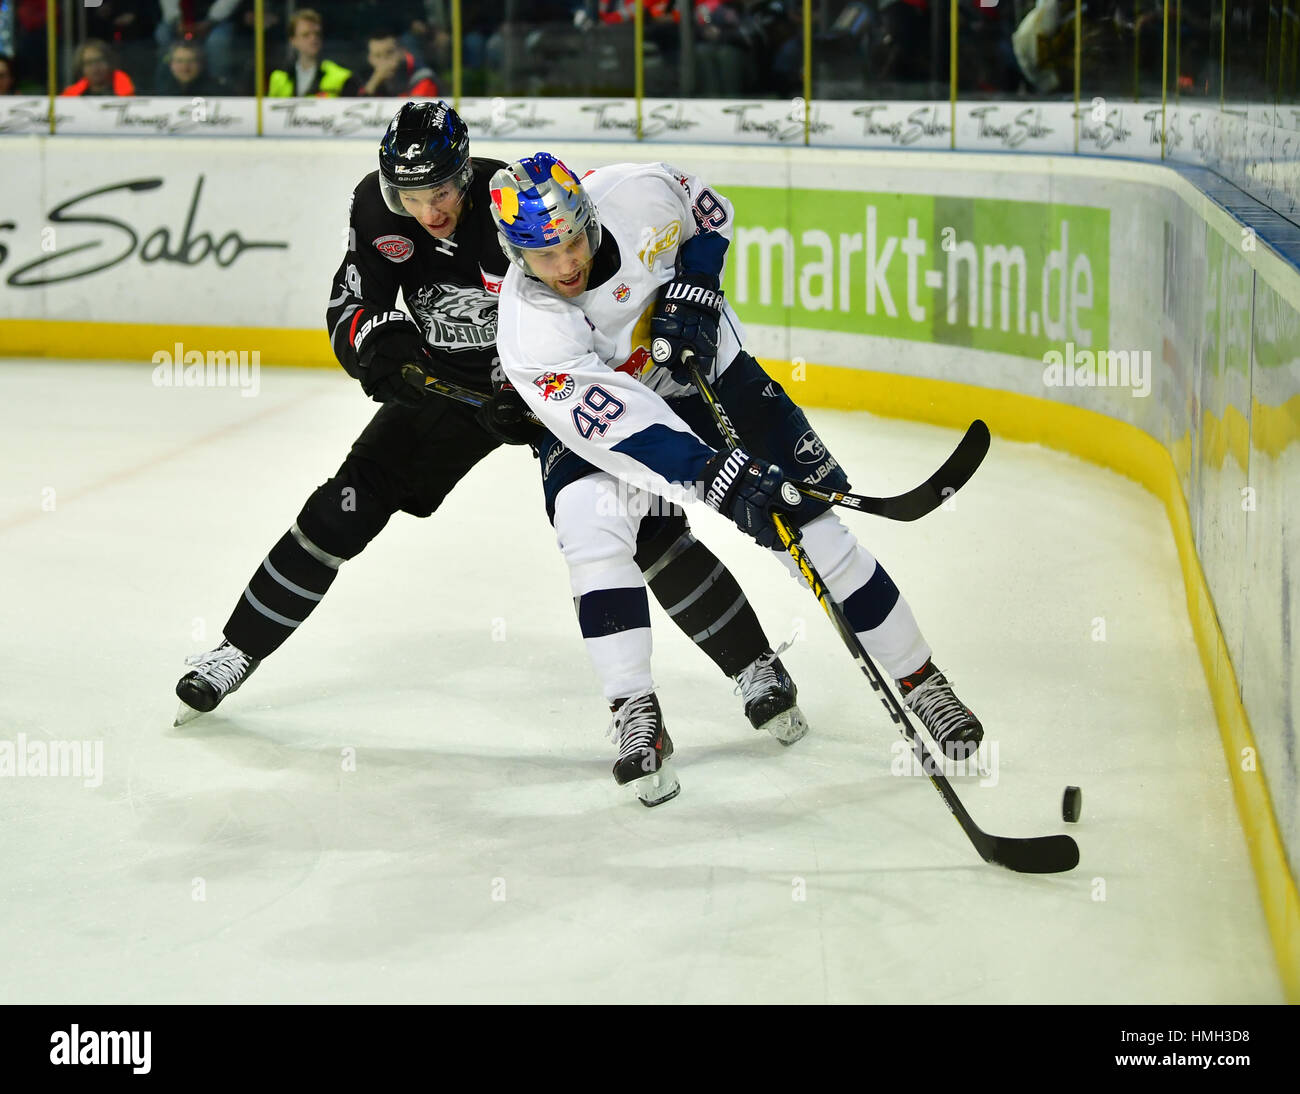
x=423 y=223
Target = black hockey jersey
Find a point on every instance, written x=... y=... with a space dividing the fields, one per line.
x=449 y=286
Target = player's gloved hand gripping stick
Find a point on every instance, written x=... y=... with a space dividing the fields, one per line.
x=505 y=416
x=394 y=359
x=1035 y=855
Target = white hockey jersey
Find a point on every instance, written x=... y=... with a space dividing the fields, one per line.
x=583 y=366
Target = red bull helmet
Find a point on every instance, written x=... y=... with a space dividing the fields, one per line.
x=538 y=203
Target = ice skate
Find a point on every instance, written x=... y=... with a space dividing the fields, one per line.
x=644 y=749
x=951 y=723
x=216 y=674
x=769 y=695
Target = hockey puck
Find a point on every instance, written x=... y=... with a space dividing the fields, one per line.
x=1072 y=804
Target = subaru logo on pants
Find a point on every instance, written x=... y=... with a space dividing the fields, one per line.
x=809 y=448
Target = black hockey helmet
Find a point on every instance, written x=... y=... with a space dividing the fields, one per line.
x=425 y=146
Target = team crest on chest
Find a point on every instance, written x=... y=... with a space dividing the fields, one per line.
x=554 y=385
x=622 y=293
x=395 y=248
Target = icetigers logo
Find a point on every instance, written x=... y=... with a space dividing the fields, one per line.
x=456 y=317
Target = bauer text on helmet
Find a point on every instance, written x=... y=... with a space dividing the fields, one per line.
x=547 y=222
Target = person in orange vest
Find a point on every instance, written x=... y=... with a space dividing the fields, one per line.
x=97 y=76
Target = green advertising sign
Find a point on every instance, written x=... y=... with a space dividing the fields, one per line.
x=1018 y=277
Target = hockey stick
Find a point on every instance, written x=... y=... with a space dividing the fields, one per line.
x=951 y=477
x=916 y=503
x=466 y=395
x=1035 y=855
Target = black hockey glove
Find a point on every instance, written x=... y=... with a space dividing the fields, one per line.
x=686 y=317
x=750 y=493
x=506 y=417
x=394 y=359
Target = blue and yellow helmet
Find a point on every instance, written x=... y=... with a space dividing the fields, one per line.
x=539 y=203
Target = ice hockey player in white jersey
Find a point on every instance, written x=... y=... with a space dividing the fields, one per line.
x=603 y=269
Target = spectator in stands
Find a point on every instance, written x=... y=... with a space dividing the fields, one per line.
x=128 y=27
x=206 y=21
x=349 y=21
x=243 y=75
x=727 y=41
x=394 y=72
x=186 y=74
x=119 y=21
x=434 y=32
x=96 y=74
x=781 y=56
x=904 y=49
x=29 y=42
x=307 y=73
x=1034 y=49
x=624 y=11
x=7 y=80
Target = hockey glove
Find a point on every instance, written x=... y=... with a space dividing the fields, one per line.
x=750 y=493
x=394 y=359
x=686 y=317
x=506 y=417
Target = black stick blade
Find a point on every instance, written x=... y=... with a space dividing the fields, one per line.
x=1037 y=855
x=951 y=477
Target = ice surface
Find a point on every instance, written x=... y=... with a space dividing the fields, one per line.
x=480 y=850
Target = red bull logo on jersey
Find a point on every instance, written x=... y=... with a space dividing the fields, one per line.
x=636 y=364
x=622 y=293
x=554 y=385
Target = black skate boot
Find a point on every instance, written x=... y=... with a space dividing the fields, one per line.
x=952 y=724
x=644 y=749
x=769 y=695
x=216 y=674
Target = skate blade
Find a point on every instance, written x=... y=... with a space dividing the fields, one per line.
x=659 y=787
x=788 y=726
x=185 y=713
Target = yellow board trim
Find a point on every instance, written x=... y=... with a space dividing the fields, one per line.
x=1137 y=455
x=1084 y=433
x=140 y=341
